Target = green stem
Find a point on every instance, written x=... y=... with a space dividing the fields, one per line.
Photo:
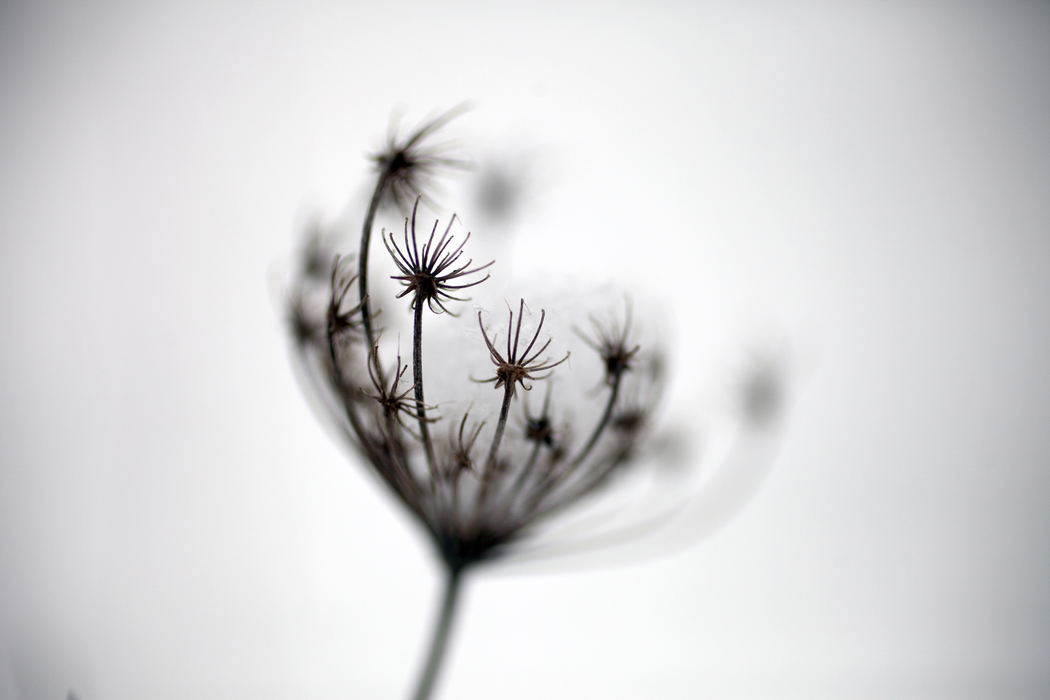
x=439 y=642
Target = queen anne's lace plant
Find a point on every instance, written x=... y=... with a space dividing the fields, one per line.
x=481 y=481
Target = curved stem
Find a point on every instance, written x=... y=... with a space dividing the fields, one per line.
x=554 y=482
x=439 y=642
x=402 y=482
x=604 y=421
x=362 y=260
x=507 y=498
x=344 y=395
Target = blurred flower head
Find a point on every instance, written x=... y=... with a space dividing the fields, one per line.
x=483 y=477
x=407 y=164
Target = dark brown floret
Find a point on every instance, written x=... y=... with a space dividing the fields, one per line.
x=463 y=445
x=428 y=274
x=340 y=319
x=406 y=164
x=395 y=404
x=540 y=428
x=610 y=341
x=517 y=367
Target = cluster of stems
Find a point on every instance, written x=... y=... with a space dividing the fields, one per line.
x=473 y=508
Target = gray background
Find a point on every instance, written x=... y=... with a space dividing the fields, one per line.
x=859 y=189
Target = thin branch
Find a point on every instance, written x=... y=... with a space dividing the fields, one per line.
x=442 y=631
x=417 y=377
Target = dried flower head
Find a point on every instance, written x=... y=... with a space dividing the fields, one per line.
x=474 y=502
x=394 y=403
x=540 y=428
x=610 y=340
x=519 y=365
x=477 y=489
x=461 y=447
x=341 y=319
x=406 y=164
x=428 y=274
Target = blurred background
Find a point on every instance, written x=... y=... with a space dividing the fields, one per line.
x=856 y=192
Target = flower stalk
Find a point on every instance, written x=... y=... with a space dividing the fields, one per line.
x=362 y=258
x=417 y=377
x=476 y=503
x=441 y=635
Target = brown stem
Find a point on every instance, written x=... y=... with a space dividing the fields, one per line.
x=362 y=261
x=417 y=377
x=401 y=481
x=490 y=461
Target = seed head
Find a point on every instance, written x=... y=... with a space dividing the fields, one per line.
x=518 y=366
x=407 y=164
x=478 y=491
x=429 y=274
x=461 y=444
x=539 y=429
x=395 y=404
x=340 y=319
x=610 y=340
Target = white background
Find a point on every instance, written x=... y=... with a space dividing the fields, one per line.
x=862 y=187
